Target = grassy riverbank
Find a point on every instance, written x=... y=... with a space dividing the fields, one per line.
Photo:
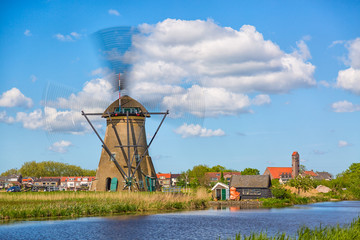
x=351 y=231
x=293 y=200
x=75 y=204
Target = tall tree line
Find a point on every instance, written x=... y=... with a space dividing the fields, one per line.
x=49 y=169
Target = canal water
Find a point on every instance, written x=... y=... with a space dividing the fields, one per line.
x=205 y=224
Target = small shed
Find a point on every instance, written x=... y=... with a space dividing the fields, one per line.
x=252 y=186
x=220 y=191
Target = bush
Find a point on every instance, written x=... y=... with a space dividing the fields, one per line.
x=280 y=192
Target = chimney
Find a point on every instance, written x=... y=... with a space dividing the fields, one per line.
x=295 y=164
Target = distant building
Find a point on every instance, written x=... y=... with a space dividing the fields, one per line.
x=278 y=172
x=310 y=173
x=284 y=174
x=220 y=191
x=252 y=186
x=47 y=183
x=214 y=177
x=10 y=181
x=27 y=182
x=76 y=183
x=295 y=164
x=323 y=176
x=174 y=179
x=164 y=179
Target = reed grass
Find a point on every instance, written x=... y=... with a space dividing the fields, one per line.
x=75 y=204
x=346 y=232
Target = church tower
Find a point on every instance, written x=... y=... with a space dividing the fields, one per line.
x=295 y=164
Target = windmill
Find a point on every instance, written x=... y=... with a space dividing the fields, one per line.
x=125 y=162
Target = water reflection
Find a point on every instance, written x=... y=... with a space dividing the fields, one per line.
x=216 y=222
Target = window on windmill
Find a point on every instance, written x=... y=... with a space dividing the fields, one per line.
x=113 y=155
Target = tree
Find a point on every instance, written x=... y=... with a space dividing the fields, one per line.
x=302 y=168
x=217 y=168
x=350 y=179
x=280 y=192
x=302 y=183
x=222 y=179
x=50 y=169
x=10 y=172
x=250 y=171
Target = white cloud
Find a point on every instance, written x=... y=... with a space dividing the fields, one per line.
x=33 y=120
x=60 y=147
x=345 y=106
x=349 y=79
x=324 y=83
x=343 y=144
x=224 y=63
x=192 y=130
x=68 y=38
x=113 y=12
x=27 y=33
x=337 y=42
x=63 y=113
x=14 y=98
x=261 y=99
x=6 y=119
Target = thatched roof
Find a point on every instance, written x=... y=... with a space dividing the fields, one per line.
x=126 y=102
x=250 y=181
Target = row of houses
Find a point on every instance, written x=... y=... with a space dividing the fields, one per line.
x=47 y=183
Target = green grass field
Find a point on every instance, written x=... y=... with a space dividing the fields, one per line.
x=75 y=204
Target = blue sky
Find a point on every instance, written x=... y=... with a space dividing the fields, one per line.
x=274 y=77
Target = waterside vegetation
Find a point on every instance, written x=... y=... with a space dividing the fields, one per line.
x=351 y=231
x=75 y=204
x=346 y=186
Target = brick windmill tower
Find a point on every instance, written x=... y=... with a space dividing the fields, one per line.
x=125 y=163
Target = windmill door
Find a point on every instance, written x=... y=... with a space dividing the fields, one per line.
x=113 y=186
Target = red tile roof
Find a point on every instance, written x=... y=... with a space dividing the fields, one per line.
x=294 y=153
x=166 y=175
x=275 y=172
x=310 y=173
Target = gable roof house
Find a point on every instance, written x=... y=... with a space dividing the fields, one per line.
x=10 y=180
x=252 y=186
x=310 y=173
x=323 y=176
x=220 y=191
x=164 y=179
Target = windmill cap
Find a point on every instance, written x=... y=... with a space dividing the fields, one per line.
x=295 y=153
x=126 y=102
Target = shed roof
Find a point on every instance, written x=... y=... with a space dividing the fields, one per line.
x=220 y=184
x=250 y=181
